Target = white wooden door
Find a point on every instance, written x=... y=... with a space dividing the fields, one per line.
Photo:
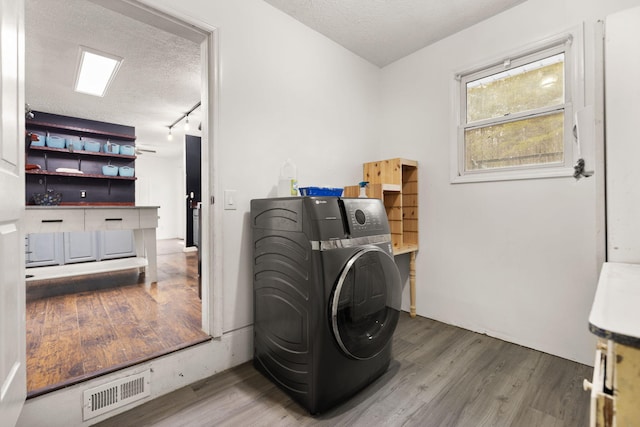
x=622 y=89
x=12 y=284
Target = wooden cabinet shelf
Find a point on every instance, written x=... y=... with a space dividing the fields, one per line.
x=85 y=131
x=81 y=152
x=77 y=175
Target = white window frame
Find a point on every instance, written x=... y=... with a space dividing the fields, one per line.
x=569 y=43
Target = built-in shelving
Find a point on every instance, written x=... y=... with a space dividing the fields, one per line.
x=49 y=168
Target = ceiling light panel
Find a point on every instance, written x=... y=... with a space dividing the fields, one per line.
x=96 y=70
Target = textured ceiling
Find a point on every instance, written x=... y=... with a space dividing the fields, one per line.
x=383 y=31
x=158 y=81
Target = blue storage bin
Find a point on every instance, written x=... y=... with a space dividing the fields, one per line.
x=92 y=146
x=56 y=141
x=112 y=148
x=127 y=150
x=41 y=138
x=320 y=191
x=75 y=143
x=110 y=170
x=126 y=171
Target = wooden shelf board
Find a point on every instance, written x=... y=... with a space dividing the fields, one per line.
x=78 y=175
x=82 y=152
x=38 y=124
x=392 y=187
x=405 y=249
x=58 y=271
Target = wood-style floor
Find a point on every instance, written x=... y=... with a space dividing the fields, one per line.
x=441 y=376
x=82 y=327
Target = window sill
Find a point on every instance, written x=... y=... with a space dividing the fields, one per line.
x=513 y=175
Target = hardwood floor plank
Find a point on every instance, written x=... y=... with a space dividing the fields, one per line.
x=82 y=327
x=98 y=336
x=135 y=336
x=441 y=376
x=60 y=337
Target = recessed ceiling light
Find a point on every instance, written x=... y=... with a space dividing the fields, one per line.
x=96 y=71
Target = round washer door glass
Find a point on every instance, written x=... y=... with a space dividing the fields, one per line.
x=365 y=304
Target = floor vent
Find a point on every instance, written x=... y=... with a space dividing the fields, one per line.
x=116 y=394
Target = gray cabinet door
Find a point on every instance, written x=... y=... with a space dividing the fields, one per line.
x=117 y=244
x=43 y=249
x=80 y=246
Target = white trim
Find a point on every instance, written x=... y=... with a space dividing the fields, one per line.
x=529 y=50
x=212 y=230
x=571 y=42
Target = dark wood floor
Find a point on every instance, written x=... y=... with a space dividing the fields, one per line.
x=441 y=376
x=79 y=328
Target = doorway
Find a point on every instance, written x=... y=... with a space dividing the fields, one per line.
x=116 y=298
x=193 y=168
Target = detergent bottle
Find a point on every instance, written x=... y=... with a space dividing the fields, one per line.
x=288 y=181
x=363 y=189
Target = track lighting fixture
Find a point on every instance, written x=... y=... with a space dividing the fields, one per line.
x=186 y=123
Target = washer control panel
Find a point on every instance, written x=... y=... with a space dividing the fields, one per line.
x=365 y=217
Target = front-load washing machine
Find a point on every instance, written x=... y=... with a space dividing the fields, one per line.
x=327 y=295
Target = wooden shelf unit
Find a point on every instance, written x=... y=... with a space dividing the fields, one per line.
x=395 y=181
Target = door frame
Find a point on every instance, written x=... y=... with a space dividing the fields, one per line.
x=13 y=372
x=193 y=29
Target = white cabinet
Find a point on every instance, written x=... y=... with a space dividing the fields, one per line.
x=43 y=249
x=112 y=219
x=54 y=220
x=117 y=238
x=80 y=246
x=615 y=319
x=116 y=244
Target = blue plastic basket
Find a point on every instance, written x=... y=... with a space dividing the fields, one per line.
x=127 y=150
x=110 y=170
x=75 y=143
x=320 y=191
x=56 y=141
x=93 y=146
x=125 y=171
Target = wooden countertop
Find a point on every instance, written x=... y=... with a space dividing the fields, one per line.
x=615 y=313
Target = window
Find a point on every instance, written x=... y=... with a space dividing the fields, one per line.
x=515 y=117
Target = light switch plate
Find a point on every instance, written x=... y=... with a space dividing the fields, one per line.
x=230 y=200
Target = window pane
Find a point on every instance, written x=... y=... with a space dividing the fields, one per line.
x=531 y=141
x=534 y=85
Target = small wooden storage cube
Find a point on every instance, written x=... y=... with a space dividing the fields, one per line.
x=395 y=181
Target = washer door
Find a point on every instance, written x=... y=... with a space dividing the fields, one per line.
x=365 y=304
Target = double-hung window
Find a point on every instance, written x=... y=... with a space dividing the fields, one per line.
x=516 y=116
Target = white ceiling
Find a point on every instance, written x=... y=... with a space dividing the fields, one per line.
x=158 y=81
x=383 y=31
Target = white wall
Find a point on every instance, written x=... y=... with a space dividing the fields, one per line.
x=518 y=259
x=485 y=261
x=285 y=91
x=160 y=183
